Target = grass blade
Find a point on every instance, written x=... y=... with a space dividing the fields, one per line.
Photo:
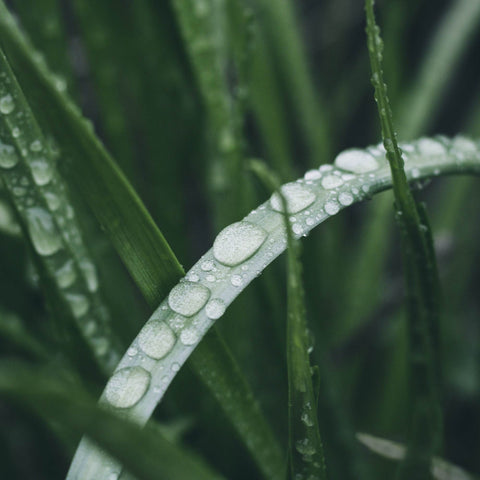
x=241 y=251
x=422 y=284
x=306 y=456
x=43 y=206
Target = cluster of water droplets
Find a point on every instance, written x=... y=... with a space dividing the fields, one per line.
x=28 y=170
x=240 y=252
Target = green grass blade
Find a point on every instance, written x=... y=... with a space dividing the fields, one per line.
x=306 y=456
x=115 y=204
x=59 y=400
x=441 y=470
x=38 y=193
x=422 y=284
x=138 y=241
x=241 y=251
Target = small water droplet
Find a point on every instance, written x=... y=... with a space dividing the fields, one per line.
x=207 y=266
x=356 y=161
x=236 y=280
x=36 y=146
x=90 y=273
x=7 y=104
x=156 y=339
x=345 y=198
x=42 y=171
x=332 y=207
x=43 y=233
x=189 y=336
x=127 y=386
x=298 y=198
x=210 y=278
x=187 y=298
x=8 y=156
x=305 y=447
x=238 y=242
x=312 y=175
x=175 y=367
x=79 y=303
x=15 y=132
x=132 y=351
x=215 y=308
x=66 y=275
x=297 y=229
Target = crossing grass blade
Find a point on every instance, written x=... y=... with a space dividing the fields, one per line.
x=306 y=458
x=422 y=284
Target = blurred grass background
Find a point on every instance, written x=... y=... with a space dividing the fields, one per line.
x=182 y=101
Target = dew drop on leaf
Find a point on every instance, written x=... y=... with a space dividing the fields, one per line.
x=6 y=104
x=43 y=233
x=156 y=339
x=127 y=386
x=238 y=242
x=8 y=157
x=298 y=198
x=331 y=181
x=42 y=171
x=356 y=161
x=187 y=298
x=215 y=308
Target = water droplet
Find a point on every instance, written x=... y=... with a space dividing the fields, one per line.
x=305 y=447
x=312 y=175
x=79 y=304
x=192 y=277
x=189 y=336
x=331 y=181
x=127 y=387
x=43 y=233
x=345 y=198
x=298 y=198
x=36 y=146
x=8 y=156
x=332 y=207
x=90 y=273
x=210 y=278
x=177 y=322
x=464 y=144
x=297 y=229
x=66 y=275
x=325 y=168
x=207 y=266
x=175 y=367
x=356 y=161
x=7 y=104
x=15 y=132
x=215 y=308
x=42 y=171
x=238 y=242
x=427 y=146
x=132 y=351
x=236 y=280
x=156 y=339
x=53 y=201
x=187 y=298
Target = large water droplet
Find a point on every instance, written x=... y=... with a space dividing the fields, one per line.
x=8 y=157
x=356 y=161
x=127 y=387
x=43 y=233
x=187 y=298
x=332 y=207
x=66 y=275
x=42 y=171
x=156 y=339
x=7 y=104
x=298 y=198
x=345 y=198
x=215 y=308
x=427 y=146
x=238 y=242
x=331 y=181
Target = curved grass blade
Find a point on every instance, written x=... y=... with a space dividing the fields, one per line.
x=422 y=284
x=441 y=470
x=146 y=453
x=141 y=246
x=240 y=252
x=38 y=193
x=306 y=456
